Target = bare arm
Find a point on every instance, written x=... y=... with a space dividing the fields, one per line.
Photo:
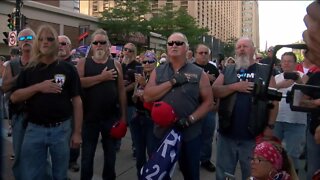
x=7 y=79
x=76 y=139
x=206 y=97
x=152 y=91
x=122 y=92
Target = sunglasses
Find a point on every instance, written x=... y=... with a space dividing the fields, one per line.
x=62 y=43
x=203 y=53
x=149 y=61
x=49 y=39
x=24 y=38
x=128 y=50
x=99 y=42
x=177 y=43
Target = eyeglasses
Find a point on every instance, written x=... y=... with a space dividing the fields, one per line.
x=128 y=50
x=149 y=61
x=99 y=42
x=24 y=38
x=257 y=160
x=49 y=39
x=63 y=43
x=203 y=53
x=177 y=43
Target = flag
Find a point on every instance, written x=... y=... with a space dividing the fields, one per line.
x=162 y=162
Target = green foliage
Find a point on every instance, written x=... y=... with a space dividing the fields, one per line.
x=168 y=21
x=229 y=47
x=128 y=17
x=125 y=18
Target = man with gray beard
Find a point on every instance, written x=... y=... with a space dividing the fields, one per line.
x=104 y=105
x=241 y=121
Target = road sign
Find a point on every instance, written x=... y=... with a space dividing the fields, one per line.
x=12 y=38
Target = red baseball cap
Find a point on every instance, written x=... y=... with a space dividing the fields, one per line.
x=119 y=129
x=163 y=114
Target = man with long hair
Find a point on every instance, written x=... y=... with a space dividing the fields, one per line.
x=104 y=104
x=50 y=90
x=10 y=75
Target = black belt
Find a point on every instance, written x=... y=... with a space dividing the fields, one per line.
x=48 y=125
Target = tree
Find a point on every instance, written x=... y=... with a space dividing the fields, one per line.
x=125 y=18
x=229 y=47
x=168 y=21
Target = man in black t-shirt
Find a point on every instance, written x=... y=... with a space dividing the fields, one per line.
x=202 y=55
x=64 y=54
x=50 y=90
x=129 y=64
x=239 y=120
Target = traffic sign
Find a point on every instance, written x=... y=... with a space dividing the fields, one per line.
x=12 y=38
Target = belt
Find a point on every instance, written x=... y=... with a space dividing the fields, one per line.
x=49 y=125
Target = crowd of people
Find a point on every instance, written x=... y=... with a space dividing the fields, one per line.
x=62 y=107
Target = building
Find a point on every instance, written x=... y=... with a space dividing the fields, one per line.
x=62 y=15
x=224 y=19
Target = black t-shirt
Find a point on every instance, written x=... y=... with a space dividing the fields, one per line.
x=128 y=77
x=44 y=108
x=209 y=68
x=314 y=80
x=242 y=108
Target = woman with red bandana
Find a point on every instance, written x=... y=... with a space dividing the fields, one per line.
x=270 y=162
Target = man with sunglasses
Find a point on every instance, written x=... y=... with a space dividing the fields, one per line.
x=202 y=56
x=64 y=54
x=129 y=64
x=104 y=105
x=186 y=88
x=11 y=72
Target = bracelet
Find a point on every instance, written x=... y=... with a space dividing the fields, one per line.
x=192 y=119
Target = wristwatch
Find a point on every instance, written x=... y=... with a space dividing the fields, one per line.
x=271 y=126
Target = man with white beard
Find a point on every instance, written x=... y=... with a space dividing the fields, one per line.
x=240 y=120
x=104 y=106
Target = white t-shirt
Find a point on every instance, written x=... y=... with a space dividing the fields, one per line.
x=285 y=114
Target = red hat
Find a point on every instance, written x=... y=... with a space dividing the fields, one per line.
x=118 y=130
x=163 y=114
x=148 y=105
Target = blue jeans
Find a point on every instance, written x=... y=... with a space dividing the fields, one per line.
x=145 y=140
x=229 y=152
x=208 y=128
x=189 y=159
x=18 y=131
x=38 y=141
x=294 y=137
x=90 y=137
x=313 y=154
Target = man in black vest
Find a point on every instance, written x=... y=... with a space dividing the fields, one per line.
x=186 y=88
x=11 y=72
x=104 y=103
x=237 y=119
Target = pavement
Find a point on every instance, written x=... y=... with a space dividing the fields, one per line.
x=125 y=163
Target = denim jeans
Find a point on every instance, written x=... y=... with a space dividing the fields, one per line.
x=145 y=140
x=38 y=141
x=189 y=159
x=208 y=128
x=313 y=154
x=229 y=152
x=18 y=131
x=294 y=137
x=90 y=137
